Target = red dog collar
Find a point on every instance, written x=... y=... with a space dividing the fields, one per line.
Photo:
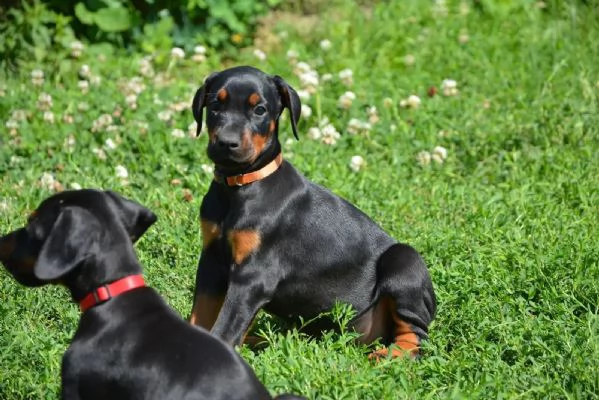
x=107 y=292
x=244 y=179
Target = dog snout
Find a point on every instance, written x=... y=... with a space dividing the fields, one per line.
x=228 y=143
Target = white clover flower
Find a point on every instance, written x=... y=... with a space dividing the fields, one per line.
x=4 y=205
x=75 y=186
x=412 y=101
x=142 y=126
x=346 y=76
x=304 y=95
x=49 y=117
x=121 y=172
x=84 y=71
x=76 y=49
x=409 y=60
x=178 y=133
x=326 y=77
x=463 y=38
x=101 y=122
x=95 y=80
x=440 y=8
x=302 y=67
x=373 y=115
x=345 y=100
x=199 y=49
x=314 y=133
x=424 y=158
x=387 y=102
x=44 y=101
x=259 y=54
x=357 y=163
x=179 y=106
x=292 y=56
x=145 y=67
x=330 y=134
x=37 y=77
x=192 y=129
x=101 y=154
x=12 y=124
x=355 y=126
x=84 y=86
x=19 y=115
x=110 y=144
x=306 y=111
x=207 y=168
x=177 y=53
x=441 y=152
x=47 y=181
x=68 y=118
x=450 y=87
x=131 y=101
x=165 y=115
x=198 y=58
x=326 y=44
x=83 y=106
x=69 y=143
x=309 y=81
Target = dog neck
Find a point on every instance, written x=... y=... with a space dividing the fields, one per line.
x=107 y=292
x=101 y=270
x=264 y=165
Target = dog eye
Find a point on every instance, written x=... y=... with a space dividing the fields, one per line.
x=260 y=110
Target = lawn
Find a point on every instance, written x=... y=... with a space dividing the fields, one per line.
x=482 y=152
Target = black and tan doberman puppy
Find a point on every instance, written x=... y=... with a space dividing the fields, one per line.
x=274 y=240
x=129 y=344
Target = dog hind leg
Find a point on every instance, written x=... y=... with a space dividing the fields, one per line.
x=404 y=278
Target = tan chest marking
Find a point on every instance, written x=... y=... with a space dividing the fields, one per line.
x=243 y=242
x=210 y=232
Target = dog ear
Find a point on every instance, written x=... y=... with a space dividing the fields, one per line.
x=70 y=242
x=135 y=218
x=199 y=102
x=290 y=100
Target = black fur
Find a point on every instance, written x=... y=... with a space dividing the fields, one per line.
x=315 y=248
x=133 y=346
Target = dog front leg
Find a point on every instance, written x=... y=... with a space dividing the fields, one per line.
x=246 y=295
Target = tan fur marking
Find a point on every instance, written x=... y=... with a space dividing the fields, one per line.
x=259 y=141
x=271 y=127
x=205 y=310
x=222 y=95
x=253 y=99
x=210 y=231
x=406 y=342
x=243 y=243
x=212 y=136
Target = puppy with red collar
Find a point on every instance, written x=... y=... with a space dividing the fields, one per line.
x=129 y=344
x=274 y=240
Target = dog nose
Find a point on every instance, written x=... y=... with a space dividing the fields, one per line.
x=227 y=144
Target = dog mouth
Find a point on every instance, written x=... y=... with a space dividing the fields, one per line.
x=229 y=159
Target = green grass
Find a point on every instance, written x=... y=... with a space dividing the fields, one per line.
x=508 y=223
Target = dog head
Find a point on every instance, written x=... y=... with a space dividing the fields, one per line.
x=71 y=229
x=243 y=108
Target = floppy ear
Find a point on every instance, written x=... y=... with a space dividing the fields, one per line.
x=135 y=218
x=199 y=102
x=70 y=242
x=290 y=100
